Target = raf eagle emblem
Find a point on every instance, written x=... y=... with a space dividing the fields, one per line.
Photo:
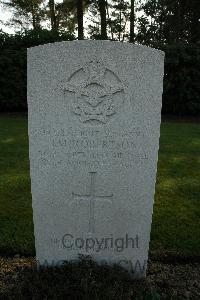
x=98 y=93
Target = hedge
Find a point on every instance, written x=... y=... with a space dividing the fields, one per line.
x=181 y=81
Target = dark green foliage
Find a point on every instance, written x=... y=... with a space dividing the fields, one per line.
x=13 y=80
x=174 y=27
x=13 y=64
x=169 y=22
x=181 y=94
x=181 y=83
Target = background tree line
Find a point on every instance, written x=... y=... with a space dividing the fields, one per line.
x=169 y=25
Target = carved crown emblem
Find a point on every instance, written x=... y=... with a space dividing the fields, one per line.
x=97 y=93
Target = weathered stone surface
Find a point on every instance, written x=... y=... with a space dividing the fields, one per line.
x=94 y=121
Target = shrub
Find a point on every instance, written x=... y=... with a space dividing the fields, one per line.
x=181 y=94
x=13 y=65
x=181 y=81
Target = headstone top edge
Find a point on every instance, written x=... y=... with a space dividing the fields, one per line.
x=87 y=42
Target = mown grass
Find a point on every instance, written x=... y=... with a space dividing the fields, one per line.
x=16 y=226
x=176 y=219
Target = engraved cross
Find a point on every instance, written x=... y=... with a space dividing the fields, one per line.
x=92 y=198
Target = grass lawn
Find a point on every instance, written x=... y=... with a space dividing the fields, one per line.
x=176 y=219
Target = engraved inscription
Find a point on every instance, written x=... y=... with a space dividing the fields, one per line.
x=98 y=93
x=90 y=148
x=91 y=197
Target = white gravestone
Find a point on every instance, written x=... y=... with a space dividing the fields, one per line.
x=94 y=124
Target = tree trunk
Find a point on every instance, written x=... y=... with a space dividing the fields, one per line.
x=120 y=24
x=35 y=17
x=52 y=15
x=124 y=31
x=110 y=24
x=132 y=22
x=102 y=10
x=33 y=21
x=79 y=5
